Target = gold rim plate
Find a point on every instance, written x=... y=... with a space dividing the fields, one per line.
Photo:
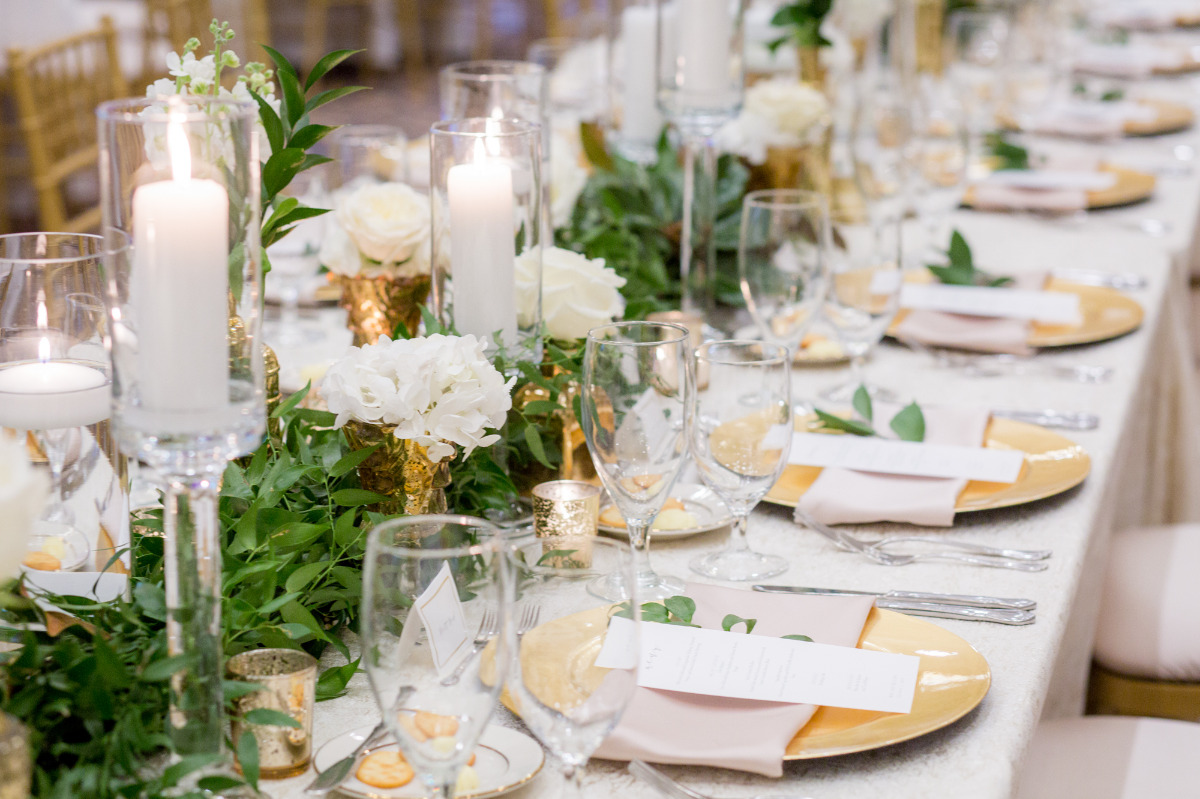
x=952 y=680
x=1107 y=313
x=1053 y=464
x=1131 y=187
x=1171 y=118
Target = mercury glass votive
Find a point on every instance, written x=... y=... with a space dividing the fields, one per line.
x=16 y=765
x=289 y=683
x=565 y=508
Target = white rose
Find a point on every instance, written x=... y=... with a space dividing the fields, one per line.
x=389 y=222
x=794 y=108
x=567 y=178
x=23 y=493
x=577 y=293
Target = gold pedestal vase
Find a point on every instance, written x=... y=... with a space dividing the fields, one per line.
x=400 y=469
x=376 y=305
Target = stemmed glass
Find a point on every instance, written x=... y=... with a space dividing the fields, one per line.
x=940 y=174
x=636 y=382
x=740 y=433
x=428 y=582
x=864 y=294
x=976 y=44
x=54 y=371
x=782 y=264
x=573 y=714
x=294 y=261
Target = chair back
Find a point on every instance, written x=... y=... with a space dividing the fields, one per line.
x=56 y=88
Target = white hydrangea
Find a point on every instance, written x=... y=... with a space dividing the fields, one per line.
x=577 y=293
x=438 y=391
x=23 y=493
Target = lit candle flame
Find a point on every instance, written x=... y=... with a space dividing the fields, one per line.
x=43 y=322
x=491 y=128
x=179 y=150
x=44 y=350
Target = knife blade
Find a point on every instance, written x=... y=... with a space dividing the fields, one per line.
x=1067 y=420
x=960 y=612
x=958 y=600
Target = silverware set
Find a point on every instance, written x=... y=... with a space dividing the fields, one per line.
x=1001 y=610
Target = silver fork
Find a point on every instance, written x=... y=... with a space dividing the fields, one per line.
x=669 y=787
x=489 y=625
x=975 y=554
x=529 y=619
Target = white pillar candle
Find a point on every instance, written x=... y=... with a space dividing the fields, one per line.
x=704 y=30
x=44 y=396
x=483 y=247
x=640 y=118
x=181 y=289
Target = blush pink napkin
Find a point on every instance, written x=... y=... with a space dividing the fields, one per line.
x=993 y=197
x=976 y=333
x=690 y=729
x=844 y=496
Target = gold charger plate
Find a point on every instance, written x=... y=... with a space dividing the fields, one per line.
x=1053 y=464
x=952 y=679
x=1131 y=187
x=1171 y=118
x=1107 y=313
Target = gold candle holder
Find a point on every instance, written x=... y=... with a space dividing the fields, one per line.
x=289 y=683
x=565 y=508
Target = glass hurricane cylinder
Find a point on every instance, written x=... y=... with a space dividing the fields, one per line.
x=700 y=85
x=180 y=180
x=487 y=230
x=499 y=90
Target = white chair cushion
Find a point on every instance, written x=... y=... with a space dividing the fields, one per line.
x=1112 y=757
x=1150 y=611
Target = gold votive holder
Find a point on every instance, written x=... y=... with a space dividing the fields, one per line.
x=565 y=508
x=289 y=684
x=16 y=764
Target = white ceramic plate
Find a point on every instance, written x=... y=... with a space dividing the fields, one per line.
x=504 y=760
x=709 y=510
x=76 y=548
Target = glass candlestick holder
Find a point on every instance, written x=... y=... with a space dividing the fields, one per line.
x=700 y=83
x=487 y=230
x=181 y=183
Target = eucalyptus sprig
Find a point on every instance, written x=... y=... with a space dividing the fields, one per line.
x=1008 y=156
x=679 y=610
x=961 y=271
x=908 y=424
x=802 y=21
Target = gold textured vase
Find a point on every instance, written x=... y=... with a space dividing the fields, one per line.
x=376 y=305
x=807 y=166
x=400 y=469
x=930 y=19
x=811 y=71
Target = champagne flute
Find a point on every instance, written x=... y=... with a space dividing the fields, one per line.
x=782 y=263
x=571 y=716
x=636 y=382
x=976 y=43
x=740 y=433
x=437 y=690
x=941 y=151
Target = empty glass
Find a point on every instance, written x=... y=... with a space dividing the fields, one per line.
x=782 y=263
x=636 y=382
x=436 y=636
x=740 y=433
x=976 y=43
x=940 y=149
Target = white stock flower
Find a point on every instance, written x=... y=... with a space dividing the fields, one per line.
x=567 y=178
x=438 y=391
x=23 y=493
x=793 y=107
x=577 y=293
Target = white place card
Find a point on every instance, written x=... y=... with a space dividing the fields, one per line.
x=1045 y=179
x=888 y=456
x=445 y=623
x=760 y=667
x=1053 y=307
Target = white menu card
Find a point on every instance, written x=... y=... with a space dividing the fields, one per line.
x=1053 y=307
x=888 y=456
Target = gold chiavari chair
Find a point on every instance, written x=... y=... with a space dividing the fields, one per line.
x=559 y=15
x=56 y=88
x=170 y=23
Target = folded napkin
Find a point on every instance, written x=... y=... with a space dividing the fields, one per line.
x=1147 y=14
x=1127 y=61
x=997 y=197
x=844 y=496
x=743 y=734
x=1091 y=119
x=976 y=333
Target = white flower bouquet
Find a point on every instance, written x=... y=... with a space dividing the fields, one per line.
x=438 y=391
x=577 y=293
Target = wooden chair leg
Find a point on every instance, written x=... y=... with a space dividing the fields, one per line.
x=408 y=16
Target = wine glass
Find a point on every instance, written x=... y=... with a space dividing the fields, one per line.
x=55 y=375
x=740 y=433
x=294 y=262
x=864 y=294
x=636 y=382
x=573 y=713
x=976 y=43
x=941 y=147
x=432 y=587
x=782 y=261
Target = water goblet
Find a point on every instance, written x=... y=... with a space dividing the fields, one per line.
x=572 y=716
x=636 y=381
x=740 y=433
x=782 y=263
x=976 y=43
x=437 y=690
x=941 y=152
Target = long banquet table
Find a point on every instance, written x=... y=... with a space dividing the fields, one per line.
x=1144 y=461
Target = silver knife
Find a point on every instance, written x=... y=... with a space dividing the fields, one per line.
x=961 y=600
x=960 y=612
x=335 y=775
x=1066 y=420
